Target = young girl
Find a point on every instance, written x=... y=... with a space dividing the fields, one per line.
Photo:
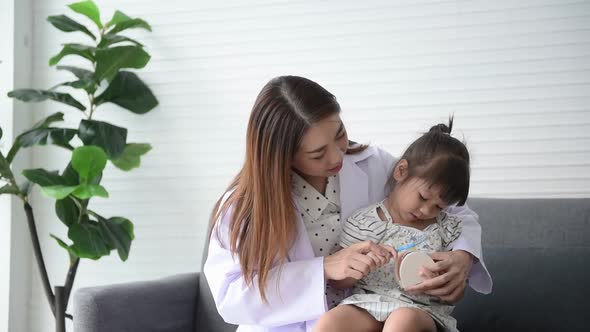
x=432 y=174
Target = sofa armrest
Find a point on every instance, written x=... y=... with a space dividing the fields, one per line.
x=159 y=305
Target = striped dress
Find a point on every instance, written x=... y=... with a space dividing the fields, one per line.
x=378 y=292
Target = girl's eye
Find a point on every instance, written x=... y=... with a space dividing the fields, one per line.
x=341 y=135
x=318 y=158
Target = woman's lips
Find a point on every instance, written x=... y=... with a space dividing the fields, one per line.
x=335 y=169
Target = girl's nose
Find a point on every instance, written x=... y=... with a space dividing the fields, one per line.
x=426 y=210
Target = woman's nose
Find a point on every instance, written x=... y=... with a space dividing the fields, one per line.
x=335 y=155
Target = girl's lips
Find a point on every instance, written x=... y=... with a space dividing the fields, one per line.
x=335 y=169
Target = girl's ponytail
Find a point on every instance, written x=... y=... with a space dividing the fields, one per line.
x=442 y=128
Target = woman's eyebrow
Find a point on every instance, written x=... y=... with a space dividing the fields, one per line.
x=323 y=147
x=317 y=150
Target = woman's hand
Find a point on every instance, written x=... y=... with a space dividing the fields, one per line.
x=356 y=261
x=447 y=277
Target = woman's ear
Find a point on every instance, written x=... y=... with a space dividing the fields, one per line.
x=400 y=172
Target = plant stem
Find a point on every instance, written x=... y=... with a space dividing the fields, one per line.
x=92 y=106
x=39 y=256
x=94 y=214
x=60 y=321
x=70 y=279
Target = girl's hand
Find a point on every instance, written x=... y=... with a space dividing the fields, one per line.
x=383 y=260
x=447 y=277
x=355 y=261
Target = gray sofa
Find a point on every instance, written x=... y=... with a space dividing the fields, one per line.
x=537 y=250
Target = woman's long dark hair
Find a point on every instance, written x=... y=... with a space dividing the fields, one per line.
x=263 y=226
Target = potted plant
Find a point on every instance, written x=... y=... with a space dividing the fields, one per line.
x=92 y=144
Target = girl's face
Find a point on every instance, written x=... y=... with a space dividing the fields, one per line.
x=322 y=149
x=415 y=200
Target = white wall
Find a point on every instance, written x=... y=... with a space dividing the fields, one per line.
x=6 y=70
x=15 y=248
x=514 y=73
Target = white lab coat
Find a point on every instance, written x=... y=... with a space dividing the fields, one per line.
x=296 y=295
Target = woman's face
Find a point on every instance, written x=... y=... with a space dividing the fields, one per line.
x=322 y=148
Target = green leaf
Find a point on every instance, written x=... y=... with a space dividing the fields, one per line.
x=89 y=162
x=110 y=60
x=41 y=132
x=131 y=156
x=43 y=177
x=86 y=84
x=66 y=24
x=9 y=189
x=85 y=77
x=88 y=9
x=118 y=233
x=70 y=249
x=128 y=91
x=44 y=123
x=32 y=95
x=58 y=192
x=109 y=137
x=70 y=176
x=35 y=135
x=88 y=241
x=67 y=211
x=109 y=39
x=80 y=73
x=118 y=17
x=84 y=51
x=57 y=136
x=62 y=137
x=122 y=22
x=85 y=191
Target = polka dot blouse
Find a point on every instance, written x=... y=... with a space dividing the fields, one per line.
x=321 y=216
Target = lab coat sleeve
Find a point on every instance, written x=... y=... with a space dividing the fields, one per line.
x=294 y=290
x=470 y=241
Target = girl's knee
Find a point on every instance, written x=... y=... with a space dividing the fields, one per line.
x=347 y=318
x=409 y=319
x=328 y=322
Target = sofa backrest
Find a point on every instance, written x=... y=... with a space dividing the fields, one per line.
x=536 y=251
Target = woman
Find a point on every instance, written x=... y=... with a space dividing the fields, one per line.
x=272 y=249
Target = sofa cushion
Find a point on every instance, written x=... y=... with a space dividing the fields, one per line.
x=534 y=290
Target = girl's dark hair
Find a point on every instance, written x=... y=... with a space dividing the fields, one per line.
x=440 y=160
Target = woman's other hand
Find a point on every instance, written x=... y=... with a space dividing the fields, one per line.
x=447 y=277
